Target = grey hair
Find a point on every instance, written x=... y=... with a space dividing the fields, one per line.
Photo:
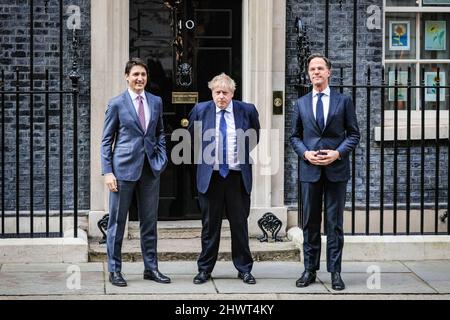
x=222 y=80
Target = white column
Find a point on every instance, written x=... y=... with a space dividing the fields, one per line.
x=278 y=83
x=263 y=68
x=109 y=53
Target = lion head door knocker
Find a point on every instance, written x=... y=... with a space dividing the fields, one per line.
x=269 y=223
x=184 y=75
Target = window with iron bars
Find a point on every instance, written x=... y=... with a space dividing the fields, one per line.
x=417 y=36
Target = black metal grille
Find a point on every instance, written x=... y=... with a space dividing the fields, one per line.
x=30 y=235
x=20 y=102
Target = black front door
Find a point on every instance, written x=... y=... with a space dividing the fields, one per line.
x=185 y=44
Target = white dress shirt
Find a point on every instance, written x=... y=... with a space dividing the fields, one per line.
x=325 y=101
x=134 y=98
x=232 y=159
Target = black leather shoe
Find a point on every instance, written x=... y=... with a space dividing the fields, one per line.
x=246 y=277
x=155 y=275
x=306 y=279
x=336 y=281
x=116 y=279
x=202 y=277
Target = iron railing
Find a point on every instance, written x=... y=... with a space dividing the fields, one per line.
x=18 y=103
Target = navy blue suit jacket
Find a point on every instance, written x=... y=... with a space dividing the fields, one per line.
x=131 y=145
x=341 y=133
x=245 y=118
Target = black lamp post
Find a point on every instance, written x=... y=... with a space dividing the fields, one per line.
x=74 y=76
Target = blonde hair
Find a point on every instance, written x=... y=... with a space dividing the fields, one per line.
x=222 y=80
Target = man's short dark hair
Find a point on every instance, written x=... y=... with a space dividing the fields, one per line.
x=135 y=62
x=321 y=56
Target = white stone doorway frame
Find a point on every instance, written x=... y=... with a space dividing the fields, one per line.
x=264 y=33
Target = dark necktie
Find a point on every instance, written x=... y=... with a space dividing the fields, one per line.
x=223 y=166
x=141 y=113
x=320 y=118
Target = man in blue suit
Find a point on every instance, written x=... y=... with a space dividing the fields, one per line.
x=325 y=132
x=133 y=156
x=224 y=131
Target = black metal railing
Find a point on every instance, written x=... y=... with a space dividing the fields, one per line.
x=396 y=167
x=22 y=105
x=21 y=166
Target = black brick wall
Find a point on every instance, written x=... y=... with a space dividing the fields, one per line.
x=15 y=53
x=369 y=54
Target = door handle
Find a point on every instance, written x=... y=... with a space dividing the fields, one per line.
x=184 y=123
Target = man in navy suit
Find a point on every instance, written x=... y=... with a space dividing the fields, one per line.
x=325 y=132
x=224 y=131
x=133 y=154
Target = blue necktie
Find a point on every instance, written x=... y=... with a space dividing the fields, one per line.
x=320 y=118
x=223 y=166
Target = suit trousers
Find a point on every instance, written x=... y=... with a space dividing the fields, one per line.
x=147 y=194
x=312 y=196
x=225 y=193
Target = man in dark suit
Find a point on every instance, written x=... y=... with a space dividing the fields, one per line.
x=224 y=131
x=133 y=156
x=325 y=131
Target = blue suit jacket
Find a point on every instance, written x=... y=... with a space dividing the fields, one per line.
x=123 y=131
x=341 y=133
x=245 y=118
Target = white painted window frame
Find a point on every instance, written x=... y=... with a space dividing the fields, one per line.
x=430 y=115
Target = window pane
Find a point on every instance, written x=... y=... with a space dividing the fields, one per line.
x=430 y=80
x=436 y=38
x=400 y=36
x=403 y=3
x=436 y=2
x=402 y=80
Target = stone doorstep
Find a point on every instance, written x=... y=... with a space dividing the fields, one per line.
x=174 y=229
x=189 y=249
x=181 y=240
x=176 y=233
x=46 y=250
x=386 y=248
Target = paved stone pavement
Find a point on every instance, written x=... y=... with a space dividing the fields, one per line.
x=275 y=281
